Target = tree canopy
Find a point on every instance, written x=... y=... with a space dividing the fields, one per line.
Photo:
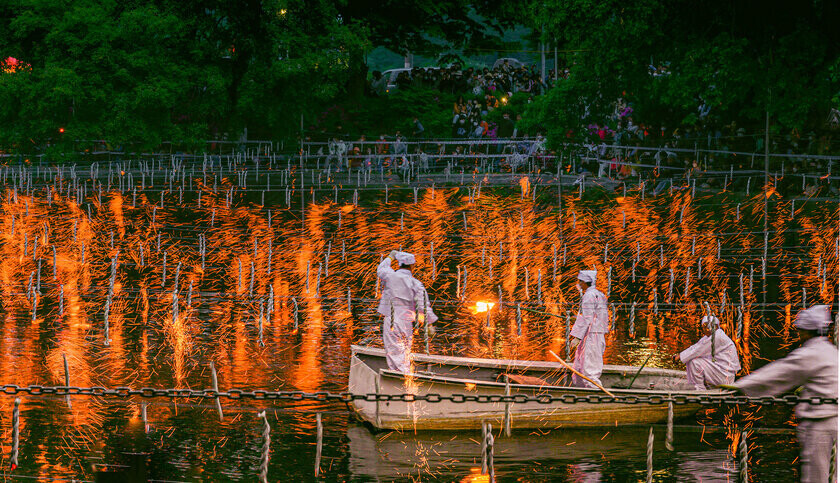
x=144 y=72
x=739 y=58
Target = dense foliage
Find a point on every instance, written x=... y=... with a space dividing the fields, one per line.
x=139 y=73
x=142 y=72
x=739 y=58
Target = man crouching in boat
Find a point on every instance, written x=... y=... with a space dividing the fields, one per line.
x=404 y=301
x=705 y=370
x=591 y=324
x=813 y=366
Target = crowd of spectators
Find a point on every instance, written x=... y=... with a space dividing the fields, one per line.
x=504 y=77
x=614 y=146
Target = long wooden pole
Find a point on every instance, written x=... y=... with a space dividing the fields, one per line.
x=639 y=371
x=579 y=374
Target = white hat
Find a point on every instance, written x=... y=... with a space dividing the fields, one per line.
x=710 y=319
x=588 y=276
x=405 y=258
x=816 y=318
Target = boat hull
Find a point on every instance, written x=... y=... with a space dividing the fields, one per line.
x=366 y=378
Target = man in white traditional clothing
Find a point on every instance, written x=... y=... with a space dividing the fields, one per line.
x=404 y=301
x=587 y=335
x=813 y=366
x=705 y=369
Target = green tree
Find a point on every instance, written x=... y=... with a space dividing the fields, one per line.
x=736 y=57
x=140 y=73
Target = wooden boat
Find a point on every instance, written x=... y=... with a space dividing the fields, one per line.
x=446 y=375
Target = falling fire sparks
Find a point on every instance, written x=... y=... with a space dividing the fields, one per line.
x=230 y=279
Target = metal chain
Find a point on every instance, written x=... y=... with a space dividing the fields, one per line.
x=324 y=396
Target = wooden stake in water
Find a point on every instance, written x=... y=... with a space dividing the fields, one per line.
x=15 y=434
x=319 y=444
x=458 y=283
x=34 y=306
x=295 y=313
x=67 y=380
x=669 y=431
x=163 y=271
x=650 y=456
x=266 y=448
x=215 y=381
x=743 y=475
x=261 y=319
x=507 y=408
x=491 y=470
x=327 y=259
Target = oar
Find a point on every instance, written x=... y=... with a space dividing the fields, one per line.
x=579 y=374
x=639 y=371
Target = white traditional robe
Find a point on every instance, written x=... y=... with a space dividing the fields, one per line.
x=404 y=297
x=591 y=323
x=814 y=367
x=702 y=371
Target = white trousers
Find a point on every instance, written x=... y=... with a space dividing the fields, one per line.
x=703 y=373
x=397 y=339
x=816 y=438
x=589 y=359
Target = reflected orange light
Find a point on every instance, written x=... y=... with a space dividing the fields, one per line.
x=475 y=476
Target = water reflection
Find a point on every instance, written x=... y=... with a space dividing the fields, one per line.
x=275 y=296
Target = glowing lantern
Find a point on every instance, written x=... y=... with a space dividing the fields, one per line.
x=481 y=307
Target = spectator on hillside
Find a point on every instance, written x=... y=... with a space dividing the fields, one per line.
x=399 y=145
x=506 y=127
x=418 y=128
x=378 y=84
x=403 y=80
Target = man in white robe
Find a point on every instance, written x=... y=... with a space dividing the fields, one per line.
x=705 y=370
x=404 y=301
x=813 y=366
x=587 y=334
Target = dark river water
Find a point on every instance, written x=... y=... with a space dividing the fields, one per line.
x=183 y=281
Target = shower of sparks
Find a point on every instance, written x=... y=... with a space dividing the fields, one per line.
x=196 y=280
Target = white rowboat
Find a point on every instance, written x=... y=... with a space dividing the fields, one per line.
x=447 y=376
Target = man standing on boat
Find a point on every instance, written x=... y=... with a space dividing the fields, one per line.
x=813 y=366
x=704 y=369
x=587 y=335
x=404 y=301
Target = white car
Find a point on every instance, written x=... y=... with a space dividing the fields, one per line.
x=391 y=75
